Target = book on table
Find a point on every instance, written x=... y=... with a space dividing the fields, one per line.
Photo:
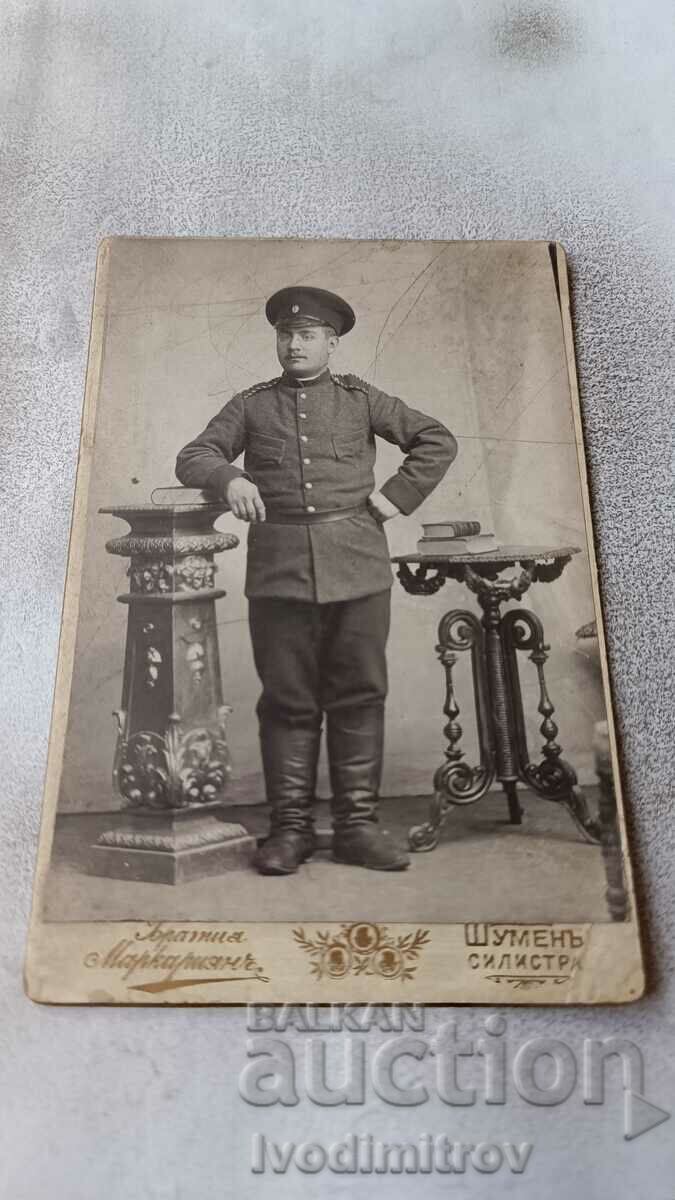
x=481 y=543
x=451 y=529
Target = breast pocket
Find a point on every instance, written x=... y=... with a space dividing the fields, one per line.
x=264 y=448
x=350 y=445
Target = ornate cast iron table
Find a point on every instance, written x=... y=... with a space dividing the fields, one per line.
x=494 y=641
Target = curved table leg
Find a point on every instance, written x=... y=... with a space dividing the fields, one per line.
x=552 y=777
x=427 y=836
x=577 y=806
x=455 y=782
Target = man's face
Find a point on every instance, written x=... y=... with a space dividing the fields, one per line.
x=304 y=350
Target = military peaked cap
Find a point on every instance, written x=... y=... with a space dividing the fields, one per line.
x=303 y=305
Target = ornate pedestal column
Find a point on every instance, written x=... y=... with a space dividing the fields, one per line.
x=172 y=761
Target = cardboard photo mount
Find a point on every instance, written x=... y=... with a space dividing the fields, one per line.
x=164 y=943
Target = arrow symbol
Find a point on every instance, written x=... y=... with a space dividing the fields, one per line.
x=640 y=1115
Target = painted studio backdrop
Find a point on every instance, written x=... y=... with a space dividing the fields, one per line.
x=468 y=332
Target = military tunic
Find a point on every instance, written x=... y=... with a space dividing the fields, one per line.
x=310 y=449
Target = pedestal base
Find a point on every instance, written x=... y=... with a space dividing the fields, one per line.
x=173 y=846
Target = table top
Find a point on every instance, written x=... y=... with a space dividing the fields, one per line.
x=503 y=554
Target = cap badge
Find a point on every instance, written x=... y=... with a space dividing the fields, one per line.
x=295 y=308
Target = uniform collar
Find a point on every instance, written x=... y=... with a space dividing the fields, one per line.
x=289 y=382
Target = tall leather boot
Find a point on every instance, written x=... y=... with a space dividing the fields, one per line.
x=290 y=756
x=355 y=746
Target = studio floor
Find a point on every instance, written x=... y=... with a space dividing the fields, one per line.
x=483 y=869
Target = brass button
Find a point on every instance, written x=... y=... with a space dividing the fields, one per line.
x=302 y=416
x=311 y=508
x=303 y=395
x=308 y=486
x=303 y=437
x=307 y=461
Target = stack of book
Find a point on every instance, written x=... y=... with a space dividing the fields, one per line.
x=455 y=537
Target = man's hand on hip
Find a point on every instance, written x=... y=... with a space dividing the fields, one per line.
x=245 y=500
x=381 y=508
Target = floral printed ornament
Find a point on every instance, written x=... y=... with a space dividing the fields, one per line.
x=363 y=949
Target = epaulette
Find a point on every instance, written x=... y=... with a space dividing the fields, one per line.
x=259 y=387
x=352 y=383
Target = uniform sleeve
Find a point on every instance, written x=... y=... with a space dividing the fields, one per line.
x=206 y=462
x=428 y=446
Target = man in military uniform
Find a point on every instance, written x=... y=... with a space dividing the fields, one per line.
x=318 y=575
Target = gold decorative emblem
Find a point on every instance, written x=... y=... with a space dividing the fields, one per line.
x=295 y=308
x=362 y=949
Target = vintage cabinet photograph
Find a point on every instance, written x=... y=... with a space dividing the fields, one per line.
x=332 y=717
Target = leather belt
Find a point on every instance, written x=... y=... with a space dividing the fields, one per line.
x=313 y=518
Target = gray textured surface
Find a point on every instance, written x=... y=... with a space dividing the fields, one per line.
x=438 y=119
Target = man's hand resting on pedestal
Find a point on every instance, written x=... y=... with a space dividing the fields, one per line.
x=381 y=508
x=245 y=500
